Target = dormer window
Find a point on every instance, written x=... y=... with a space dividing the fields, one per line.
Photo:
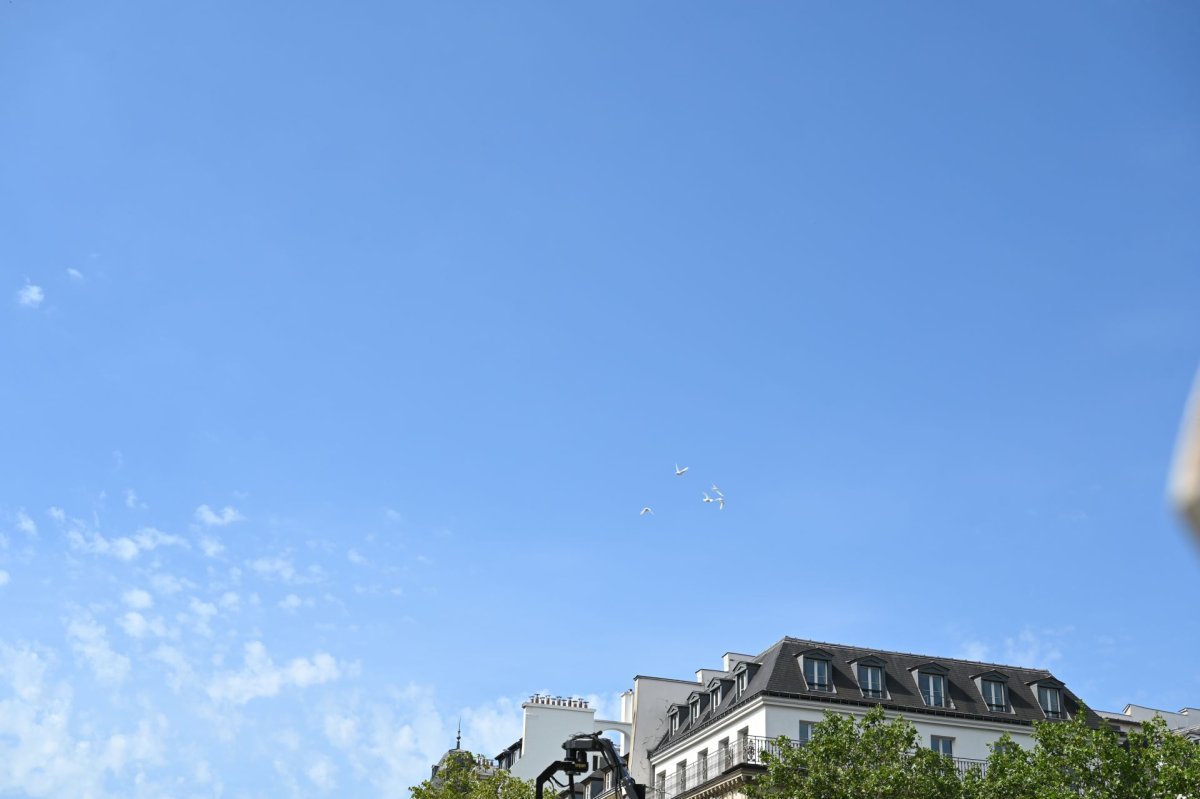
x=870 y=680
x=995 y=695
x=741 y=683
x=674 y=719
x=872 y=676
x=695 y=708
x=933 y=689
x=1050 y=698
x=714 y=698
x=816 y=674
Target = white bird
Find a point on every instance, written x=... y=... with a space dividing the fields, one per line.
x=721 y=503
x=679 y=472
x=646 y=510
x=716 y=490
x=707 y=498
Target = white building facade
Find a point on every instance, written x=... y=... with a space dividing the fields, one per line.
x=715 y=738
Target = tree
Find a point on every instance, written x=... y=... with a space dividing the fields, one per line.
x=460 y=776
x=1072 y=760
x=871 y=758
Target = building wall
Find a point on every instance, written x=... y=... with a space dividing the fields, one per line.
x=648 y=703
x=772 y=718
x=543 y=729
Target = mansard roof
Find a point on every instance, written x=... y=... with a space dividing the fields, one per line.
x=779 y=673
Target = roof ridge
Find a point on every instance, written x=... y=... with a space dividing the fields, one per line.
x=793 y=640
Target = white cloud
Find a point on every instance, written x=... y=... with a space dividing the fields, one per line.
x=138 y=599
x=210 y=518
x=3 y=578
x=321 y=773
x=89 y=640
x=131 y=500
x=122 y=547
x=177 y=662
x=260 y=677
x=167 y=584
x=291 y=603
x=355 y=558
x=57 y=514
x=30 y=296
x=75 y=275
x=278 y=567
x=211 y=547
x=230 y=601
x=136 y=625
x=25 y=524
x=203 y=611
x=40 y=753
x=342 y=731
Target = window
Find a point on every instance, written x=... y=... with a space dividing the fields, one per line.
x=816 y=674
x=695 y=706
x=1051 y=701
x=942 y=745
x=741 y=683
x=702 y=762
x=743 y=744
x=870 y=679
x=722 y=754
x=933 y=689
x=608 y=780
x=806 y=731
x=660 y=785
x=715 y=698
x=994 y=696
x=674 y=721
x=681 y=776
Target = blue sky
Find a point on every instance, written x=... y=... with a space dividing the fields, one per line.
x=344 y=342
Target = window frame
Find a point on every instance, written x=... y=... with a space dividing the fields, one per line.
x=987 y=687
x=681 y=775
x=805 y=731
x=1051 y=690
x=825 y=687
x=944 y=694
x=879 y=692
x=947 y=740
x=702 y=767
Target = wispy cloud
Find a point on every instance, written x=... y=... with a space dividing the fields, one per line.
x=25 y=524
x=75 y=275
x=260 y=677
x=211 y=547
x=210 y=518
x=122 y=547
x=138 y=599
x=30 y=296
x=3 y=578
x=292 y=603
x=89 y=640
x=131 y=500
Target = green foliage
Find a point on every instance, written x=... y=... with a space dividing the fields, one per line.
x=459 y=778
x=871 y=758
x=874 y=758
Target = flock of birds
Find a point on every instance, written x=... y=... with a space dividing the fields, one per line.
x=719 y=499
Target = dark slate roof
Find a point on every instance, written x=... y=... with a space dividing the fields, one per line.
x=780 y=674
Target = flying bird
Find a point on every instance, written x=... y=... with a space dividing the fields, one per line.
x=721 y=503
x=679 y=472
x=707 y=498
x=716 y=490
x=646 y=510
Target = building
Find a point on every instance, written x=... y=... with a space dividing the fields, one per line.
x=1185 y=722
x=703 y=737
x=716 y=736
x=547 y=721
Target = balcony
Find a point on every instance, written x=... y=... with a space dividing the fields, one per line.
x=749 y=751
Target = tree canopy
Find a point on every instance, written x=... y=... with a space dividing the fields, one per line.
x=878 y=758
x=460 y=777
